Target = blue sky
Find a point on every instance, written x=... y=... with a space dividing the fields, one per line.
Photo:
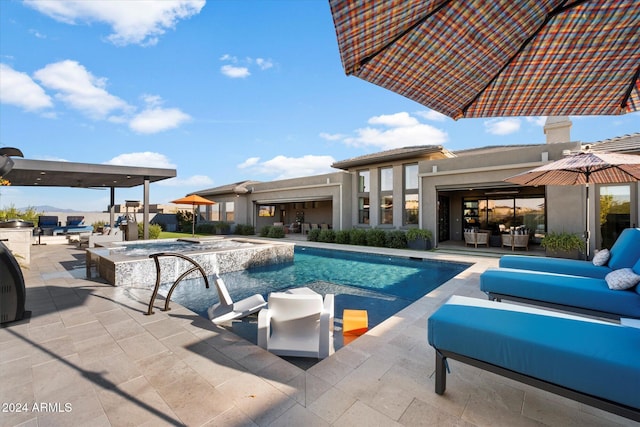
x=221 y=91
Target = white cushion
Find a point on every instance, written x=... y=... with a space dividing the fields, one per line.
x=601 y=257
x=623 y=278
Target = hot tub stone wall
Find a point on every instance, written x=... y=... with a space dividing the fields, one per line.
x=141 y=272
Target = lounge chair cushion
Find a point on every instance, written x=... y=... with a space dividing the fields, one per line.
x=596 y=358
x=624 y=254
x=566 y=290
x=601 y=257
x=622 y=279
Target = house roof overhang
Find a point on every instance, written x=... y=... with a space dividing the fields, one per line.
x=46 y=173
x=396 y=154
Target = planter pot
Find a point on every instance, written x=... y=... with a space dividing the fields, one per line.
x=559 y=253
x=419 y=244
x=495 y=241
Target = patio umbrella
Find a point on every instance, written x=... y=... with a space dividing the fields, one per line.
x=479 y=58
x=193 y=200
x=583 y=168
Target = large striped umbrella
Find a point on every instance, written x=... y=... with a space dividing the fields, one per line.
x=583 y=168
x=479 y=58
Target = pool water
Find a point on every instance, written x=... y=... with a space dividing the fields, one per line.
x=382 y=285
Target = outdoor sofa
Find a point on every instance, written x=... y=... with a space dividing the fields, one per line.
x=587 y=360
x=572 y=285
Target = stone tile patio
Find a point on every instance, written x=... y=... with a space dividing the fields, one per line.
x=89 y=356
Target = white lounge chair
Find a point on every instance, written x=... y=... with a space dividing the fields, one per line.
x=297 y=324
x=227 y=310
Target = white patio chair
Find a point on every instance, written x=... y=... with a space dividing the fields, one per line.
x=227 y=310
x=297 y=324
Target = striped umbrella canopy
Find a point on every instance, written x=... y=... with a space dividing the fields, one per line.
x=478 y=58
x=583 y=168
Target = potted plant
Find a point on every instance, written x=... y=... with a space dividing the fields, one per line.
x=419 y=239
x=563 y=245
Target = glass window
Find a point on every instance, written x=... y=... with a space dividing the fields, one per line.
x=214 y=212
x=363 y=210
x=230 y=211
x=267 y=210
x=615 y=212
x=386 y=210
x=411 y=177
x=411 y=209
x=386 y=179
x=363 y=182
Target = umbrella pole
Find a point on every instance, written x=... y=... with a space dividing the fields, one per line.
x=586 y=235
x=193 y=220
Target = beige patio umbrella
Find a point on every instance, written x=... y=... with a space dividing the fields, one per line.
x=583 y=168
x=479 y=58
x=193 y=200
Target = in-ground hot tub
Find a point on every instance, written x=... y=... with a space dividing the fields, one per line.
x=129 y=264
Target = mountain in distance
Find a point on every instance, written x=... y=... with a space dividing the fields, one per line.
x=46 y=208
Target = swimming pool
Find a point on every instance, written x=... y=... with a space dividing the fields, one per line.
x=382 y=285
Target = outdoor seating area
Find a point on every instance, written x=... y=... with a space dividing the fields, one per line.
x=573 y=285
x=50 y=226
x=90 y=344
x=516 y=340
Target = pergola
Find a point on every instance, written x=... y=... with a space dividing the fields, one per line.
x=45 y=173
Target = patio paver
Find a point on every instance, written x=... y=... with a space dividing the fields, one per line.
x=89 y=355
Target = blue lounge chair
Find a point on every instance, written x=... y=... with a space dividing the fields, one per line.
x=571 y=285
x=589 y=361
x=624 y=254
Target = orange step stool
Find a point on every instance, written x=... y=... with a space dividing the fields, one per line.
x=354 y=322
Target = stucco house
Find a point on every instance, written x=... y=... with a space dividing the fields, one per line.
x=444 y=191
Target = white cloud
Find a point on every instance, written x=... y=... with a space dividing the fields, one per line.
x=79 y=89
x=282 y=167
x=502 y=126
x=432 y=115
x=155 y=119
x=144 y=159
x=331 y=136
x=264 y=64
x=251 y=161
x=198 y=181
x=235 y=72
x=132 y=22
x=395 y=131
x=537 y=121
x=17 y=88
x=242 y=68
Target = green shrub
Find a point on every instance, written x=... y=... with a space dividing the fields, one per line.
x=222 y=227
x=264 y=231
x=562 y=241
x=343 y=237
x=327 y=236
x=206 y=228
x=358 y=236
x=419 y=233
x=396 y=239
x=154 y=231
x=376 y=237
x=276 y=232
x=245 y=230
x=29 y=214
x=313 y=235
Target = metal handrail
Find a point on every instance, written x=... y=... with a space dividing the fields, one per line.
x=195 y=267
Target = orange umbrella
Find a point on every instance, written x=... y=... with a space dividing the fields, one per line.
x=193 y=200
